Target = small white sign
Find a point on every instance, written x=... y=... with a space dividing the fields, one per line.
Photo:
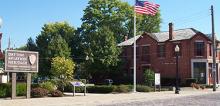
x=157 y=78
x=77 y=83
x=202 y=74
x=4 y=79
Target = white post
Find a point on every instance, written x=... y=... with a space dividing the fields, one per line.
x=134 y=49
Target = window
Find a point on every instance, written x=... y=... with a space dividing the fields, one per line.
x=210 y=49
x=199 y=48
x=161 y=50
x=146 y=54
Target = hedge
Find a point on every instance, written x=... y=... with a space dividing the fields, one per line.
x=5 y=89
x=122 y=88
x=100 y=89
x=142 y=88
x=21 y=89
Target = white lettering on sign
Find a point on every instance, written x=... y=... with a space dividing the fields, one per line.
x=17 y=59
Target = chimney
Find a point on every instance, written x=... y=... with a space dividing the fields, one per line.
x=126 y=37
x=170 y=31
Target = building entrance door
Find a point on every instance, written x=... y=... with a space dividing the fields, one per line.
x=199 y=72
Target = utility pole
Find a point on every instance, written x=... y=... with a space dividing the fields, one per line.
x=214 y=50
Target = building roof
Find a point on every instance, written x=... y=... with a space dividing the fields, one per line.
x=129 y=41
x=181 y=34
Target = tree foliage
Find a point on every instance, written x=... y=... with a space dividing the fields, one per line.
x=31 y=45
x=59 y=47
x=103 y=52
x=118 y=16
x=53 y=40
x=62 y=68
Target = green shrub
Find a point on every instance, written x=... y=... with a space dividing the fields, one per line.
x=39 y=92
x=5 y=90
x=48 y=86
x=21 y=89
x=141 y=88
x=68 y=88
x=35 y=85
x=56 y=93
x=148 y=77
x=122 y=89
x=100 y=89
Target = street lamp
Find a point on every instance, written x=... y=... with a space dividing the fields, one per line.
x=177 y=50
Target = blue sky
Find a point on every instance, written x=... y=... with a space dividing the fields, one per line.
x=24 y=18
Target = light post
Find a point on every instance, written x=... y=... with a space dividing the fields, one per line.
x=177 y=50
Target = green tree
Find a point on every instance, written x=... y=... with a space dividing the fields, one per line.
x=53 y=41
x=62 y=69
x=103 y=53
x=118 y=16
x=149 y=77
x=109 y=19
x=21 y=48
x=59 y=47
x=31 y=45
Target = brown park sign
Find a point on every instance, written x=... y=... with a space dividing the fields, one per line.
x=21 y=61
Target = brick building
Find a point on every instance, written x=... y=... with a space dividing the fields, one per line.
x=156 y=51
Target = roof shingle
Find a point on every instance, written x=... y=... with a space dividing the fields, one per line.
x=181 y=34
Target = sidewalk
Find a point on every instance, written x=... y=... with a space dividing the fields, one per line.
x=101 y=99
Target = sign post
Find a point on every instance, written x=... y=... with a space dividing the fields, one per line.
x=157 y=81
x=21 y=61
x=78 y=84
x=13 y=88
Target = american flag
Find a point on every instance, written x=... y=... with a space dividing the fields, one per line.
x=145 y=7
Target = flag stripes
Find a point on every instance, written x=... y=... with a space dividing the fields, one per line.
x=145 y=7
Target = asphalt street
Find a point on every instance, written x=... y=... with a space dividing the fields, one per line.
x=201 y=100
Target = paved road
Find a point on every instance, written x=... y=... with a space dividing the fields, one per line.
x=201 y=100
x=190 y=97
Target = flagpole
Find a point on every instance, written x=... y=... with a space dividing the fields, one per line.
x=134 y=90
